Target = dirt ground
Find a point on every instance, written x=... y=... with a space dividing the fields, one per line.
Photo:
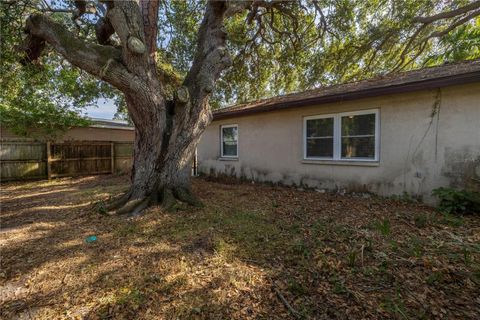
x=252 y=252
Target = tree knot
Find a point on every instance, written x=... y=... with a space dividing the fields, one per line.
x=182 y=95
x=136 y=45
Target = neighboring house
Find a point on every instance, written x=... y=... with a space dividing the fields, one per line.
x=99 y=130
x=106 y=146
x=408 y=133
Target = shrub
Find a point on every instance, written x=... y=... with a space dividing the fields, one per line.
x=457 y=201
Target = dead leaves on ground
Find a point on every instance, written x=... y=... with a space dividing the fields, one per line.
x=329 y=256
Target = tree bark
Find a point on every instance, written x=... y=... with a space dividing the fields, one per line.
x=166 y=132
x=163 y=153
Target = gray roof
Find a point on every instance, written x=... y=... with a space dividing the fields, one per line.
x=110 y=124
x=421 y=79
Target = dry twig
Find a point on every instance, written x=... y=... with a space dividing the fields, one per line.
x=294 y=312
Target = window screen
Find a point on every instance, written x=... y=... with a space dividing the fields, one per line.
x=229 y=141
x=358 y=136
x=319 y=138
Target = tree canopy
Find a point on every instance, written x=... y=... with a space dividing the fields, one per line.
x=277 y=47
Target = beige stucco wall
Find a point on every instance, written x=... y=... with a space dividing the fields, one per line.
x=417 y=153
x=83 y=134
x=99 y=134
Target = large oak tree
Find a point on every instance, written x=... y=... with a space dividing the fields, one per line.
x=170 y=109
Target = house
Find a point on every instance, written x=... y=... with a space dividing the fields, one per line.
x=98 y=130
x=405 y=133
x=106 y=146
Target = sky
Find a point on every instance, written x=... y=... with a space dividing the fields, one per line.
x=104 y=109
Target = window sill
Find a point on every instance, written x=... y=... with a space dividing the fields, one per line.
x=228 y=159
x=343 y=162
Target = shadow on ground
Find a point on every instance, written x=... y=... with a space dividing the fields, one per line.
x=328 y=256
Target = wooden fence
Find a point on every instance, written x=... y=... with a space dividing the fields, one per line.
x=39 y=160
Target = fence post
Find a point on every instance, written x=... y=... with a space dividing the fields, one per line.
x=112 y=155
x=49 y=163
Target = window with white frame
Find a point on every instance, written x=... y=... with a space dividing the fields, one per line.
x=229 y=141
x=342 y=136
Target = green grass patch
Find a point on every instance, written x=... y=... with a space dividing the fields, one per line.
x=383 y=226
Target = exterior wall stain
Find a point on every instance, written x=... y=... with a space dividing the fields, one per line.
x=462 y=167
x=428 y=139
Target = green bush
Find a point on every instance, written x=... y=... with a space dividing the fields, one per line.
x=457 y=201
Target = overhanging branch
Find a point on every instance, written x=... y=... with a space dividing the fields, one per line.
x=448 y=14
x=421 y=36
x=100 y=61
x=438 y=34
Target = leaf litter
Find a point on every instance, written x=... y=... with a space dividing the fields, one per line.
x=253 y=251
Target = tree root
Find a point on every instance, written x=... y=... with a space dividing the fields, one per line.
x=186 y=195
x=119 y=201
x=134 y=207
x=166 y=197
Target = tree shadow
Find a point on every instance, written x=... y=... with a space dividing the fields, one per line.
x=321 y=252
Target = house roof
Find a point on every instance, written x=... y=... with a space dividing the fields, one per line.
x=110 y=124
x=415 y=80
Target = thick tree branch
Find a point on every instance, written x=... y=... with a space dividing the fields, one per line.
x=191 y=109
x=459 y=22
x=448 y=14
x=103 y=62
x=127 y=21
x=150 y=16
x=211 y=57
x=235 y=7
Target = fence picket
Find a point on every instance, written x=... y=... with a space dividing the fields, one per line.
x=38 y=160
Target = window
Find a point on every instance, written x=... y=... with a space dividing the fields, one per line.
x=229 y=141
x=319 y=138
x=358 y=136
x=342 y=136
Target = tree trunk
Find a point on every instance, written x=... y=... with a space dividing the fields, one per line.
x=166 y=132
x=162 y=161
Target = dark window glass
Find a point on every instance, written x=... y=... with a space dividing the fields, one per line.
x=358 y=125
x=230 y=139
x=320 y=148
x=358 y=147
x=319 y=138
x=358 y=136
x=320 y=128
